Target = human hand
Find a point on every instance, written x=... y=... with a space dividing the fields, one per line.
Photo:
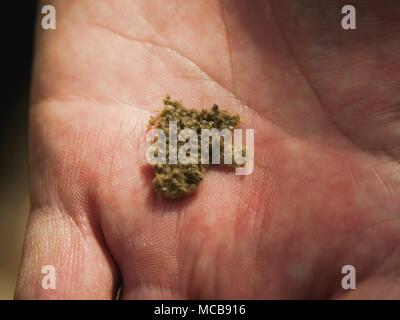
x=325 y=191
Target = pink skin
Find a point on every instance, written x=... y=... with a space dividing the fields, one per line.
x=325 y=191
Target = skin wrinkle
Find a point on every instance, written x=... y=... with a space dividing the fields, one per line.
x=392 y=113
x=360 y=241
x=261 y=235
x=179 y=14
x=258 y=204
x=216 y=286
x=370 y=14
x=144 y=42
x=371 y=37
x=306 y=78
x=224 y=251
x=228 y=45
x=249 y=210
x=115 y=144
x=162 y=287
x=338 y=69
x=73 y=98
x=392 y=288
x=69 y=183
x=331 y=117
x=350 y=170
x=379 y=176
x=372 y=271
x=195 y=78
x=97 y=229
x=179 y=217
x=392 y=272
x=191 y=284
x=171 y=19
x=180 y=258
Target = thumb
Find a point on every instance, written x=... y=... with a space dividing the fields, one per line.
x=63 y=260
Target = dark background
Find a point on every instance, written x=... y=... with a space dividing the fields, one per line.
x=16 y=30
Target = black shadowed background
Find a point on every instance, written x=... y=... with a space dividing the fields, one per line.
x=17 y=25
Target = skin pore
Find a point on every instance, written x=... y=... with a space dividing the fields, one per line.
x=325 y=191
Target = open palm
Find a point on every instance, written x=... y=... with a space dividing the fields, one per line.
x=325 y=191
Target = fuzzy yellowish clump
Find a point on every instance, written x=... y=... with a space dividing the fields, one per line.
x=178 y=180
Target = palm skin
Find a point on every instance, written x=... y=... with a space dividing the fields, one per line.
x=325 y=191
